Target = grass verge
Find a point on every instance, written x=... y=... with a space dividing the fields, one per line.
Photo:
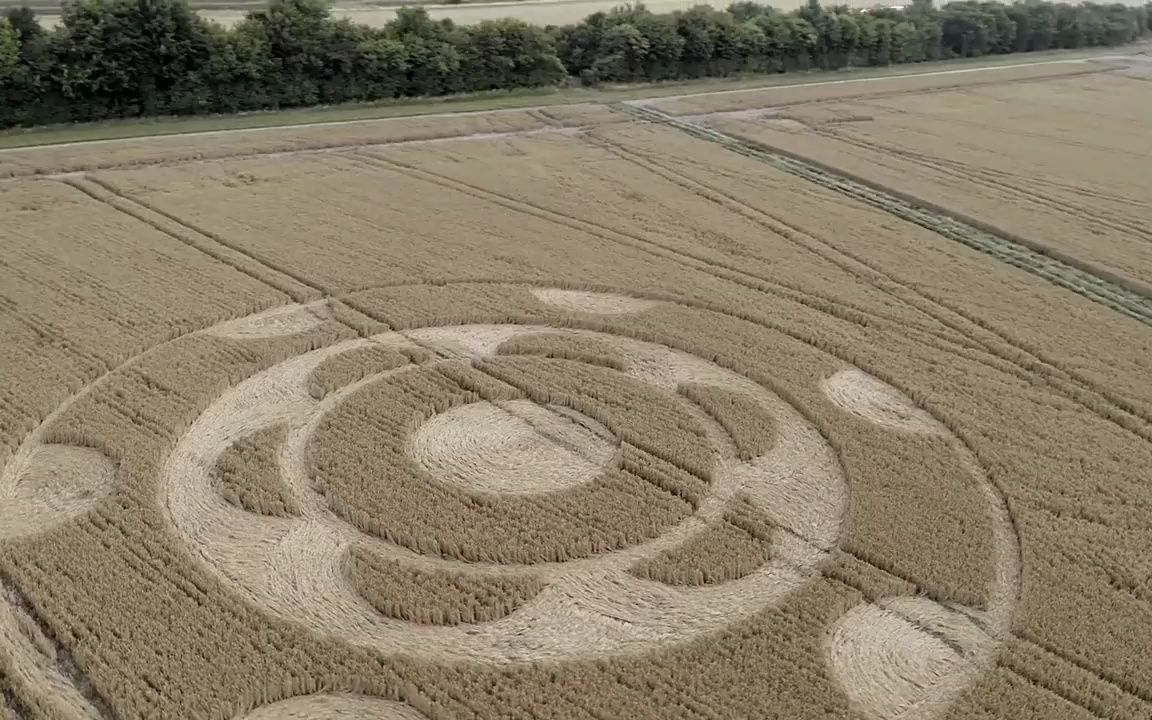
x=496 y=100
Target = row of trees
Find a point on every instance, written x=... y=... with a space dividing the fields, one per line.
x=631 y=44
x=122 y=58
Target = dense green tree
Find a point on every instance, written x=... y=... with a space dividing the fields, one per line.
x=292 y=35
x=624 y=54
x=434 y=52
x=383 y=64
x=23 y=21
x=9 y=51
x=665 y=45
x=125 y=57
x=694 y=26
x=746 y=10
x=508 y=54
x=1035 y=25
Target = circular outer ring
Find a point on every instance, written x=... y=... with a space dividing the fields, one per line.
x=591 y=607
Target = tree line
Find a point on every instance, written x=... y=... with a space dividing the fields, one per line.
x=127 y=58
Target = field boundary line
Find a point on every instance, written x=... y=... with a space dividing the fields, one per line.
x=139 y=209
x=867 y=97
x=289 y=126
x=1053 y=690
x=613 y=235
x=853 y=81
x=1107 y=676
x=318 y=150
x=942 y=341
x=574 y=101
x=723 y=271
x=979 y=176
x=1124 y=296
x=794 y=234
x=1036 y=363
x=1102 y=707
x=140 y=213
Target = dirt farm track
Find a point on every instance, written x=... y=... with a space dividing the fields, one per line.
x=823 y=401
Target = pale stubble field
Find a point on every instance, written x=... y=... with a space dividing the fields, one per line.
x=725 y=406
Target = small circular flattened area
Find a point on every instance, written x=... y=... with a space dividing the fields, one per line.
x=862 y=395
x=515 y=447
x=51 y=485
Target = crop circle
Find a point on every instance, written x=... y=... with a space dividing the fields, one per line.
x=557 y=464
x=590 y=605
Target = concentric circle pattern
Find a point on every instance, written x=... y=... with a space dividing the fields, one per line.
x=508 y=493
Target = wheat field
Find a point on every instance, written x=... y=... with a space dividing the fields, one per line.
x=827 y=401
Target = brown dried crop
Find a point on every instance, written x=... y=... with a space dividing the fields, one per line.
x=751 y=428
x=1069 y=186
x=565 y=347
x=81 y=157
x=358 y=459
x=248 y=474
x=356 y=364
x=431 y=598
x=981 y=555
x=722 y=552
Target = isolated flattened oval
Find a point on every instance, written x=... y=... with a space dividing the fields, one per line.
x=906 y=657
x=55 y=484
x=583 y=301
x=862 y=395
x=285 y=320
x=513 y=446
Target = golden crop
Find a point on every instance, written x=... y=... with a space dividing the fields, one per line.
x=589 y=412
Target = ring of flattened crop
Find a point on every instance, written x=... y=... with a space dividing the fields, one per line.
x=590 y=606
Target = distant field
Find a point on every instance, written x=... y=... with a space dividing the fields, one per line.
x=542 y=12
x=803 y=402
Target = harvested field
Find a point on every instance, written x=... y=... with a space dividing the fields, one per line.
x=600 y=412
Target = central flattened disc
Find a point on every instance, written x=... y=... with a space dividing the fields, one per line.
x=513 y=447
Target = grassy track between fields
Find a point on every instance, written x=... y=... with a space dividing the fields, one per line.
x=1057 y=268
x=499 y=100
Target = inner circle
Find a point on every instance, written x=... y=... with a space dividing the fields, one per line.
x=512 y=447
